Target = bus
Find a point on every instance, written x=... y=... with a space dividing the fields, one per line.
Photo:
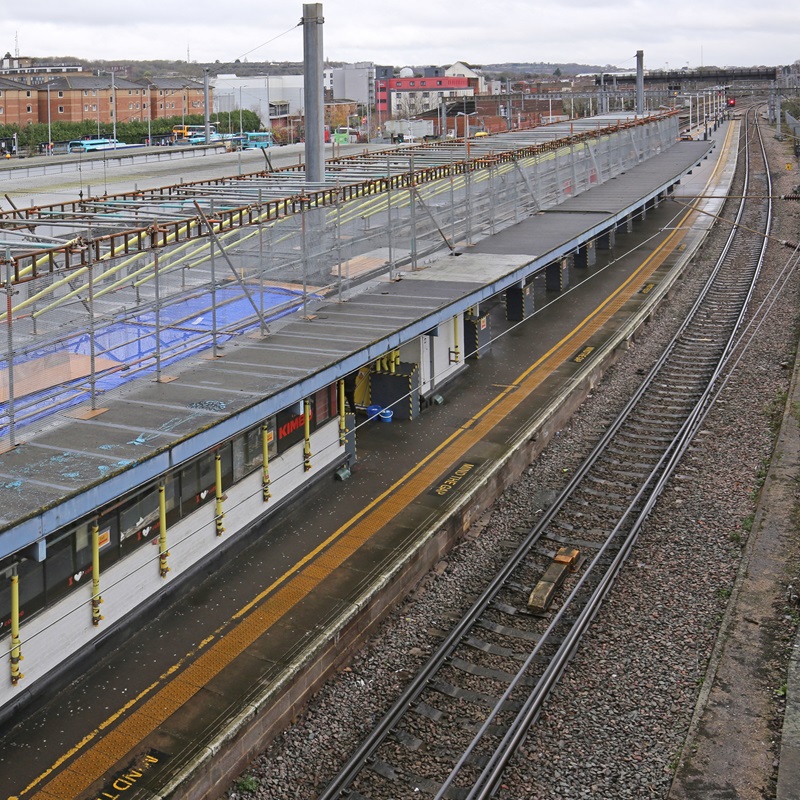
x=252 y=140
x=180 y=132
x=90 y=145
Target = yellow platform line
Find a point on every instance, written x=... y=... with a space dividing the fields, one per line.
x=304 y=577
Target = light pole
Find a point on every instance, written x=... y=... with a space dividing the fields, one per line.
x=49 y=133
x=113 y=111
x=149 y=116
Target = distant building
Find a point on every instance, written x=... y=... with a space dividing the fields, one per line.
x=26 y=71
x=175 y=97
x=407 y=97
x=355 y=82
x=101 y=99
x=18 y=104
x=274 y=98
x=461 y=69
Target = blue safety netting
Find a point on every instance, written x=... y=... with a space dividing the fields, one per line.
x=184 y=328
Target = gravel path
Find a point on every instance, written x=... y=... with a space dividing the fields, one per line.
x=618 y=720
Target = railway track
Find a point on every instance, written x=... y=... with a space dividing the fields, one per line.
x=461 y=719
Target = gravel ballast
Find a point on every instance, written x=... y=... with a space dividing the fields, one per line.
x=616 y=724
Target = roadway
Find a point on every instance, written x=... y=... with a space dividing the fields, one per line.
x=42 y=180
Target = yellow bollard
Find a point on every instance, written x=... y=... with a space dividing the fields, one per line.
x=265 y=492
x=16 y=644
x=163 y=553
x=96 y=598
x=342 y=411
x=219 y=513
x=307 y=435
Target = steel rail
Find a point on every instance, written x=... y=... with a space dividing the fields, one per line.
x=486 y=784
x=368 y=748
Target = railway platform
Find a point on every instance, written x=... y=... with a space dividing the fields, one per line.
x=237 y=656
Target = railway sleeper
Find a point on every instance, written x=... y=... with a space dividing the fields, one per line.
x=506 y=630
x=479 y=671
x=494 y=649
x=604 y=494
x=513 y=586
x=428 y=711
x=646 y=438
x=637 y=452
x=476 y=698
x=642 y=416
x=418 y=785
x=511 y=611
x=581 y=544
x=408 y=740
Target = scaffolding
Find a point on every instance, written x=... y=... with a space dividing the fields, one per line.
x=105 y=290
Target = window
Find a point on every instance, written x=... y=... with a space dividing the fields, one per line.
x=94 y=106
x=1 y=92
x=61 y=94
x=28 y=93
x=139 y=517
x=28 y=109
x=1 y=110
x=247 y=449
x=60 y=571
x=85 y=106
x=325 y=403
x=198 y=479
x=61 y=109
x=85 y=92
x=438 y=83
x=31 y=591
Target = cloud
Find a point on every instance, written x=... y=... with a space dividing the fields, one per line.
x=415 y=32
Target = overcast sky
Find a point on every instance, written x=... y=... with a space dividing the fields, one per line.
x=672 y=33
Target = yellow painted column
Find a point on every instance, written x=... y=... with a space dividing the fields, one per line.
x=265 y=492
x=307 y=435
x=342 y=411
x=163 y=553
x=456 y=341
x=96 y=598
x=16 y=644
x=219 y=513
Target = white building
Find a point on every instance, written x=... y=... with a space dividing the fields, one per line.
x=256 y=93
x=355 y=82
x=461 y=70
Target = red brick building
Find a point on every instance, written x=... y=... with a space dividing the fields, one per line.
x=177 y=97
x=18 y=103
x=77 y=98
